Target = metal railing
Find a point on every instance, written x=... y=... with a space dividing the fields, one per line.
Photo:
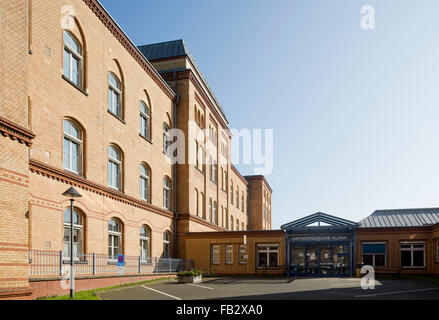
x=44 y=263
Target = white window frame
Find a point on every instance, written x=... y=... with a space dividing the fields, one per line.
x=114 y=91
x=216 y=254
x=229 y=249
x=118 y=164
x=76 y=227
x=76 y=141
x=146 y=239
x=166 y=245
x=73 y=54
x=167 y=193
x=373 y=254
x=145 y=121
x=412 y=249
x=267 y=250
x=166 y=139
x=147 y=181
x=112 y=235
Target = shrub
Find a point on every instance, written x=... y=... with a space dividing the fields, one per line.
x=194 y=273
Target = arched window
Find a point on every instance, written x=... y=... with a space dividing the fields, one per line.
x=197 y=160
x=232 y=190
x=203 y=206
x=167 y=193
x=145 y=120
x=196 y=204
x=78 y=234
x=231 y=223
x=166 y=245
x=166 y=139
x=242 y=201
x=237 y=197
x=210 y=168
x=145 y=243
x=145 y=182
x=226 y=218
x=210 y=210
x=72 y=59
x=114 y=168
x=237 y=225
x=222 y=178
x=242 y=226
x=215 y=212
x=114 y=95
x=215 y=171
x=114 y=239
x=72 y=147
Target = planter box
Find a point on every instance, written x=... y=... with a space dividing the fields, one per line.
x=190 y=279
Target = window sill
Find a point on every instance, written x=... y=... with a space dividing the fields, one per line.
x=145 y=138
x=116 y=117
x=74 y=173
x=74 y=85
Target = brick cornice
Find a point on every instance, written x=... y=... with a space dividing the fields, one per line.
x=258 y=178
x=200 y=221
x=112 y=26
x=77 y=181
x=189 y=74
x=16 y=132
x=239 y=175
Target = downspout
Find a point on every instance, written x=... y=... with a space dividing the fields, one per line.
x=174 y=167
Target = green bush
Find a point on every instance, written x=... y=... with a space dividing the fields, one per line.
x=194 y=273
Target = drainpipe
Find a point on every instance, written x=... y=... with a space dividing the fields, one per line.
x=174 y=167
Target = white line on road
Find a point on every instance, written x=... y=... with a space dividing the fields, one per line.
x=394 y=292
x=165 y=294
x=197 y=285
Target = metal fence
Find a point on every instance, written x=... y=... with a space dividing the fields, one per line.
x=43 y=263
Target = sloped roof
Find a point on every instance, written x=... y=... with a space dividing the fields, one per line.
x=175 y=48
x=401 y=218
x=322 y=218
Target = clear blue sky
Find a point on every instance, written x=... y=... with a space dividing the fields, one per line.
x=355 y=113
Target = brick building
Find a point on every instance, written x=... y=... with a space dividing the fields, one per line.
x=82 y=106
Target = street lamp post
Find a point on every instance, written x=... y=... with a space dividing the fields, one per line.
x=72 y=194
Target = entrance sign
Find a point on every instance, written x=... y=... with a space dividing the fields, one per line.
x=320 y=238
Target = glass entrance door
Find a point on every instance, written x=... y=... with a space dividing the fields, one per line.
x=297 y=261
x=319 y=260
x=312 y=260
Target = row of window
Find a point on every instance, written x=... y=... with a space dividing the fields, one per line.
x=412 y=254
x=267 y=256
x=213 y=217
x=115 y=238
x=73 y=62
x=73 y=161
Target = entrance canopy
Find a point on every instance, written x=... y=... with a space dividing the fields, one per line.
x=320 y=223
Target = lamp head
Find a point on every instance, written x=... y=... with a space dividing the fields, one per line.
x=72 y=193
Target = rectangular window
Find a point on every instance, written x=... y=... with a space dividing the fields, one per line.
x=374 y=254
x=268 y=256
x=243 y=257
x=412 y=254
x=229 y=254
x=216 y=254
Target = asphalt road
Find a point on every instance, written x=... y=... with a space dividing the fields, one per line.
x=277 y=289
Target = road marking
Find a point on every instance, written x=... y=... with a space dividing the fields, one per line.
x=394 y=292
x=197 y=285
x=165 y=294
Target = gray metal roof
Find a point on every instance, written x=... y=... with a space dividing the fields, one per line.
x=321 y=218
x=401 y=218
x=171 y=49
